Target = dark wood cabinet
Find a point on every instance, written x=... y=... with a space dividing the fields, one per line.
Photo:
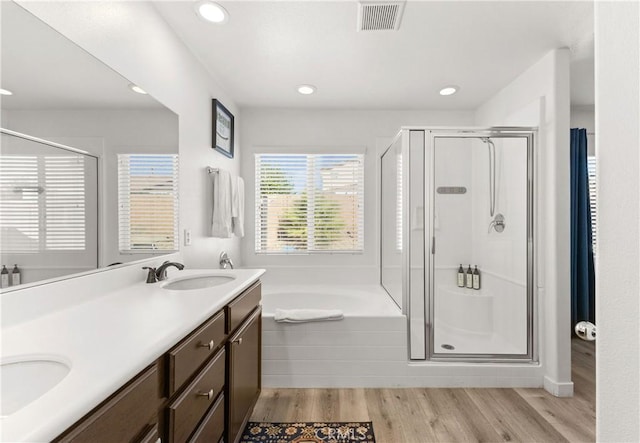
x=202 y=389
x=127 y=416
x=244 y=350
x=211 y=429
x=190 y=353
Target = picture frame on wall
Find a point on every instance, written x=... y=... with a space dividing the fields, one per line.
x=223 y=128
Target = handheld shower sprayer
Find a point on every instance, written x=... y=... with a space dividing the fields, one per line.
x=498 y=222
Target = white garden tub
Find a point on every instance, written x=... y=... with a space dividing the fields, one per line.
x=363 y=349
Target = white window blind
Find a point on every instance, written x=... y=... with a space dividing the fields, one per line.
x=148 y=202
x=593 y=197
x=65 y=202
x=399 y=202
x=309 y=203
x=42 y=207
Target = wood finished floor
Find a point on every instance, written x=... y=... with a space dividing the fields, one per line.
x=418 y=415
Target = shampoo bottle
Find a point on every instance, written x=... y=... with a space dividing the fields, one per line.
x=469 y=279
x=460 y=277
x=15 y=276
x=4 y=274
x=476 y=278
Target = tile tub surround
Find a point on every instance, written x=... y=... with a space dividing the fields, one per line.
x=366 y=349
x=107 y=339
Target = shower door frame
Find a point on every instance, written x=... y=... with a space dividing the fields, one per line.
x=430 y=136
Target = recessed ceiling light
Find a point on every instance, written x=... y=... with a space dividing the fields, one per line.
x=5 y=92
x=306 y=89
x=449 y=90
x=212 y=12
x=136 y=88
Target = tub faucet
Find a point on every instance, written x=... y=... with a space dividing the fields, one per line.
x=225 y=260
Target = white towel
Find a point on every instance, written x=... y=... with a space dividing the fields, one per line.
x=237 y=207
x=305 y=315
x=221 y=217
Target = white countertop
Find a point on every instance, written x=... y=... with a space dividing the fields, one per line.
x=107 y=340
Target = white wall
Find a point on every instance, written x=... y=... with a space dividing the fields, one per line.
x=540 y=97
x=293 y=129
x=617 y=50
x=133 y=39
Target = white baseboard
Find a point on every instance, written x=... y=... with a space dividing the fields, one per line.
x=564 y=389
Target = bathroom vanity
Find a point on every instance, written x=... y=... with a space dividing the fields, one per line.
x=147 y=362
x=202 y=389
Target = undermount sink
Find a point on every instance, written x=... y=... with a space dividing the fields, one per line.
x=198 y=282
x=26 y=379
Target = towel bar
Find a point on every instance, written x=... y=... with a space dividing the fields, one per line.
x=211 y=170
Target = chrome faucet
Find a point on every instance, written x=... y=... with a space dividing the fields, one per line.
x=159 y=274
x=225 y=260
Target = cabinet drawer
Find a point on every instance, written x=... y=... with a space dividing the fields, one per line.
x=187 y=410
x=187 y=356
x=151 y=436
x=242 y=306
x=212 y=427
x=124 y=416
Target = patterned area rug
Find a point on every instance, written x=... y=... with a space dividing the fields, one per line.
x=343 y=432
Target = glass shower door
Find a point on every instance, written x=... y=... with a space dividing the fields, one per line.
x=481 y=225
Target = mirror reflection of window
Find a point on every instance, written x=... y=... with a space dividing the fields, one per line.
x=148 y=202
x=43 y=203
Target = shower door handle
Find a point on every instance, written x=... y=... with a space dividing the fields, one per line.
x=433 y=245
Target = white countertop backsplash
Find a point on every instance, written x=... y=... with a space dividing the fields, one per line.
x=107 y=331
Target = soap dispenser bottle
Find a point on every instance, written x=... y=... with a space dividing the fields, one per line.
x=4 y=280
x=15 y=276
x=476 y=278
x=460 y=277
x=469 y=279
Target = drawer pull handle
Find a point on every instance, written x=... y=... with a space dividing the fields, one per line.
x=238 y=340
x=209 y=394
x=207 y=345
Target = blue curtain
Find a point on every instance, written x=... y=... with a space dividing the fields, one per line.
x=582 y=269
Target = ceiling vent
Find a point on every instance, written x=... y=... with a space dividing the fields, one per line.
x=380 y=15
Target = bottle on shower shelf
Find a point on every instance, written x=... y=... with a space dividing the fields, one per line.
x=476 y=278
x=5 y=277
x=469 y=278
x=15 y=276
x=460 y=277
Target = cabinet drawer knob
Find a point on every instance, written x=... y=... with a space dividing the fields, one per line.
x=207 y=345
x=238 y=340
x=209 y=394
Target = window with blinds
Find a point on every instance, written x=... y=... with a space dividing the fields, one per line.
x=148 y=202
x=309 y=203
x=399 y=202
x=593 y=198
x=43 y=204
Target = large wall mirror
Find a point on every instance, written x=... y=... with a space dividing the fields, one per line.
x=88 y=166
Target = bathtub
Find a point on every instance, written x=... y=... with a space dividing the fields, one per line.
x=364 y=349
x=354 y=301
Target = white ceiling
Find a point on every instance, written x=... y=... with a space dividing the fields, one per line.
x=45 y=70
x=267 y=48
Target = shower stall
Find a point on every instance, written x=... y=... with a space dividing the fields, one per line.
x=461 y=198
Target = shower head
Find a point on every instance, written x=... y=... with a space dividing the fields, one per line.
x=486 y=140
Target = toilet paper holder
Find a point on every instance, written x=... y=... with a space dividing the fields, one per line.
x=586 y=330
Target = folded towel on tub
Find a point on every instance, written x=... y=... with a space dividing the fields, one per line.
x=305 y=315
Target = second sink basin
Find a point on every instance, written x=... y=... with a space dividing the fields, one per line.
x=25 y=380
x=197 y=282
